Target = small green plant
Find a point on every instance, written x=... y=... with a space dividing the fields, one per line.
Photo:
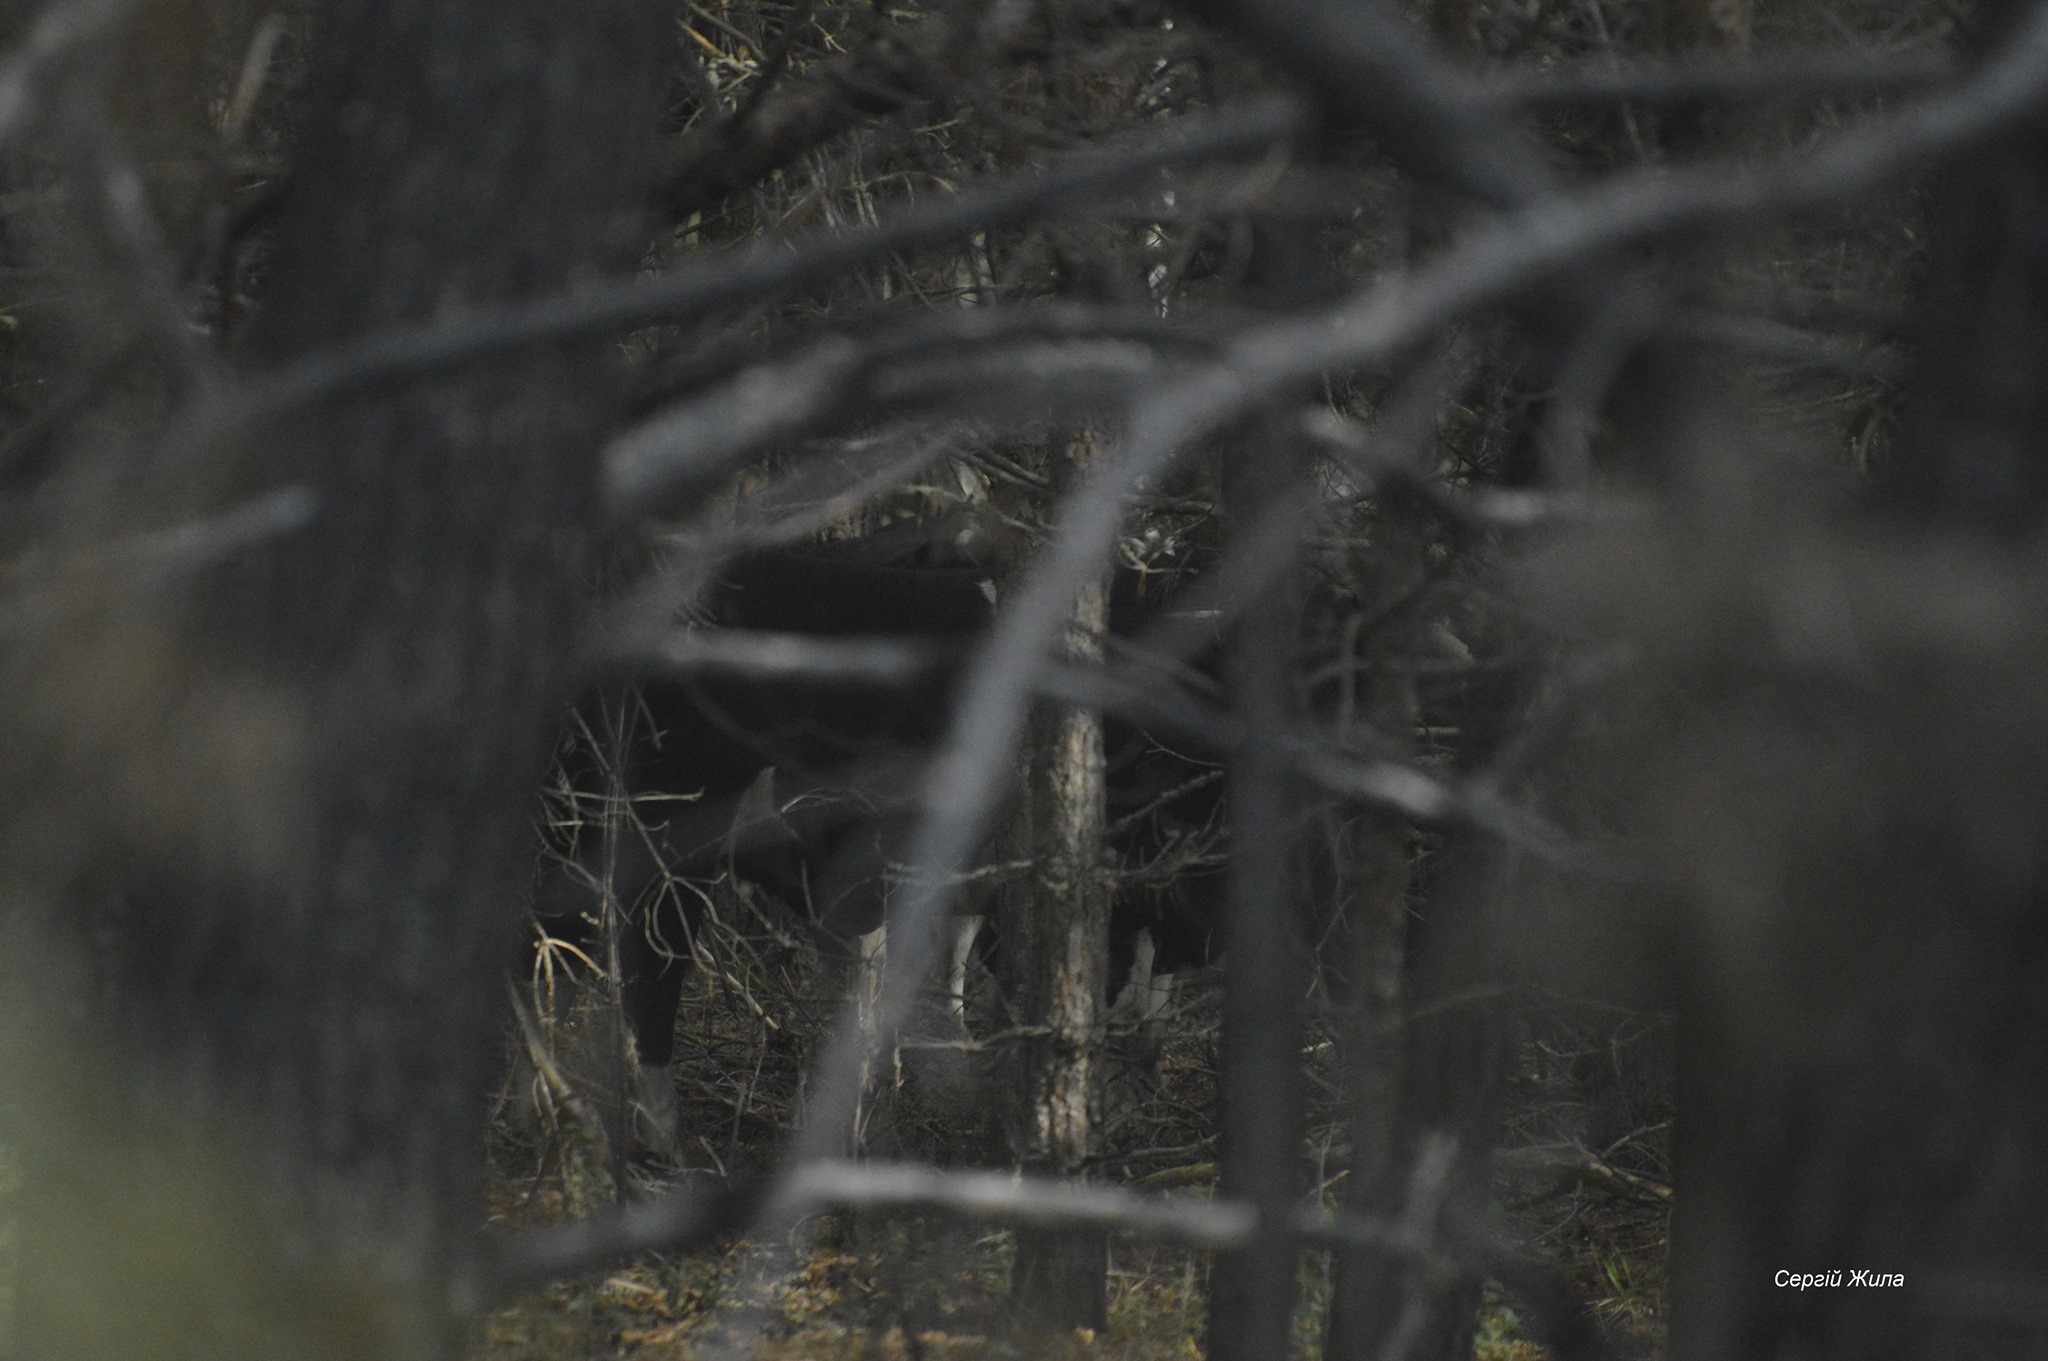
x=1499 y=1334
x=1631 y=1303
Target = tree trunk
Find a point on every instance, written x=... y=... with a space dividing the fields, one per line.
x=311 y=773
x=1059 y=938
x=1366 y=1287
x=1862 y=1070
x=1251 y=1303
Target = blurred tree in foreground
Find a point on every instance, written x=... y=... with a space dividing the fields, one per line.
x=1515 y=385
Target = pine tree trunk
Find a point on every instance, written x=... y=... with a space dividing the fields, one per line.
x=1059 y=939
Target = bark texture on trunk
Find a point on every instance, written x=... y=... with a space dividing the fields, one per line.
x=315 y=764
x=1059 y=939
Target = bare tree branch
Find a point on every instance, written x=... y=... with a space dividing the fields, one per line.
x=25 y=75
x=717 y=280
x=890 y=71
x=1564 y=229
x=751 y=654
x=975 y=355
x=1381 y=781
x=1479 y=509
x=1496 y=261
x=693 y=1219
x=149 y=561
x=1772 y=341
x=1373 y=72
x=1320 y=757
x=1697 y=79
x=822 y=486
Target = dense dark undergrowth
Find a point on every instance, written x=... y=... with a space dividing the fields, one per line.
x=1582 y=1181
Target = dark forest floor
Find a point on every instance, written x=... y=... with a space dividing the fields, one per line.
x=927 y=1290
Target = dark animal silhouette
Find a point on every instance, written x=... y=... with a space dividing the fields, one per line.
x=805 y=788
x=798 y=786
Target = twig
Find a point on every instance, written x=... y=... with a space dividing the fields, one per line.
x=759 y=654
x=1579 y=1167
x=691 y=1219
x=1578 y=85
